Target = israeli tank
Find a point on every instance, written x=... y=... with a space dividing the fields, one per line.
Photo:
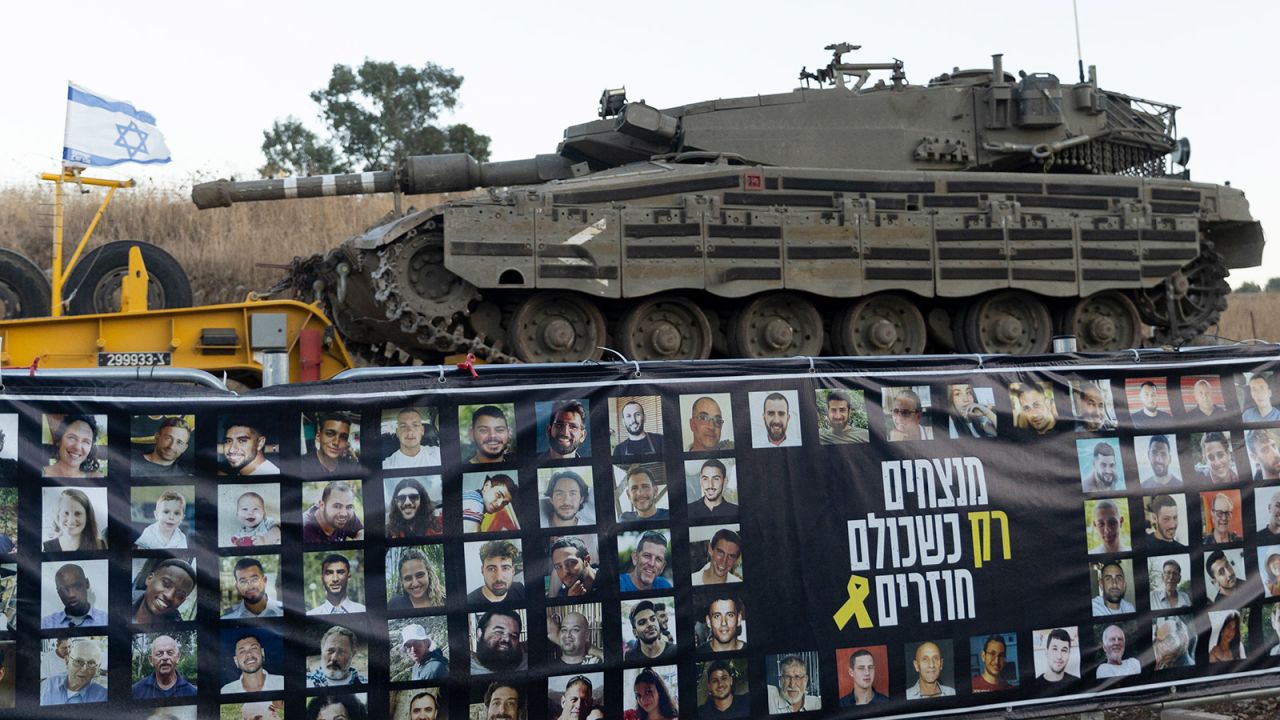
x=981 y=212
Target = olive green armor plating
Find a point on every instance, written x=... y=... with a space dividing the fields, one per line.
x=978 y=213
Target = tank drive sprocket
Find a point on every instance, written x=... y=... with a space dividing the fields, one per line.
x=1189 y=302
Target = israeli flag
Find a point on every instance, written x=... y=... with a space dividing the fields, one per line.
x=102 y=131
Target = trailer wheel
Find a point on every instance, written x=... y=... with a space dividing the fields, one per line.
x=94 y=283
x=24 y=291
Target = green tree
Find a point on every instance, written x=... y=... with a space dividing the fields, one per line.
x=1248 y=287
x=375 y=115
x=1273 y=285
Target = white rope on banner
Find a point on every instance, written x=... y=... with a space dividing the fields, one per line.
x=624 y=358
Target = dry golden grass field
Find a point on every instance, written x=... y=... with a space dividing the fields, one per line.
x=228 y=252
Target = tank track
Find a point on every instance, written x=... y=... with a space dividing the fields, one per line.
x=1187 y=304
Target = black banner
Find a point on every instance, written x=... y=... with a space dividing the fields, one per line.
x=708 y=540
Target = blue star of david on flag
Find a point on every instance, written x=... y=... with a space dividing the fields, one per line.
x=103 y=131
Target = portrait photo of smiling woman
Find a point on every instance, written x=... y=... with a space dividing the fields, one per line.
x=71 y=519
x=77 y=445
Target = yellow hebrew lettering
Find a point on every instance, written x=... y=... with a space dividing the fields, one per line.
x=980 y=522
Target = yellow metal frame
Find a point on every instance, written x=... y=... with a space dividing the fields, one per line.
x=75 y=341
x=60 y=273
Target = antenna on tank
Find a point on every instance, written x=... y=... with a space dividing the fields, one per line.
x=1075 y=12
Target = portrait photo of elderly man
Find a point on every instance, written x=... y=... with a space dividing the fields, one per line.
x=334 y=666
x=162 y=655
x=1118 y=659
x=793 y=683
x=1173 y=643
x=83 y=677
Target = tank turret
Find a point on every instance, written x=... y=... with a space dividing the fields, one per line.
x=980 y=212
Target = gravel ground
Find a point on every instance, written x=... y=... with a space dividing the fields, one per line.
x=1266 y=709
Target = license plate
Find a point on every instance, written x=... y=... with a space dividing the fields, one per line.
x=134 y=359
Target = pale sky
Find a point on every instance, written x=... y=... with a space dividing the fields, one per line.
x=216 y=75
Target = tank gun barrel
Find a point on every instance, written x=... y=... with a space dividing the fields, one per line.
x=417 y=175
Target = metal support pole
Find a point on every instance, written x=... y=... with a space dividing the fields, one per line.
x=275 y=367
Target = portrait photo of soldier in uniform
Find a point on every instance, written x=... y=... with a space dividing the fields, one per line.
x=576 y=697
x=1107 y=526
x=645 y=638
x=164 y=665
x=160 y=445
x=793 y=682
x=863 y=674
x=643 y=560
x=1228 y=635
x=74 y=519
x=971 y=411
x=712 y=487
x=707 y=422
x=1117 y=649
x=1256 y=392
x=410 y=437
x=495 y=572
x=993 y=662
x=413 y=506
x=906 y=412
x=330 y=444
x=244 y=447
x=1166 y=523
x=774 y=418
x=1093 y=406
x=635 y=427
x=252 y=659
x=640 y=492
x=1202 y=397
x=1173 y=642
x=418 y=704
x=1225 y=575
x=499 y=640
x=1112 y=584
x=1101 y=467
x=575 y=634
x=715 y=554
x=73 y=594
x=336 y=656
x=1035 y=409
x=842 y=416
x=249 y=515
x=1148 y=400
x=1263 y=445
x=419 y=648
x=75 y=446
x=565 y=430
x=1170 y=580
x=1158 y=466
x=565 y=497
x=575 y=567
x=1056 y=654
x=1214 y=457
x=1223 y=521
x=488 y=502
x=80 y=678
x=250 y=587
x=333 y=582
x=415 y=578
x=8 y=455
x=487 y=433
x=163 y=590
x=162 y=516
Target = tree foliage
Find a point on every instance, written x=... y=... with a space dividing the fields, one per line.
x=375 y=115
x=1248 y=287
x=1273 y=285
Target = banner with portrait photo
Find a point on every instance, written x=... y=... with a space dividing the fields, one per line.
x=837 y=538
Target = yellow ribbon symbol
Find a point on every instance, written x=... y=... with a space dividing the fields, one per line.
x=856 y=606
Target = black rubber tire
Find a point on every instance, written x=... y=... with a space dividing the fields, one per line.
x=94 y=283
x=24 y=290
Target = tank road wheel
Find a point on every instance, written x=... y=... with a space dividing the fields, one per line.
x=94 y=283
x=24 y=291
x=557 y=327
x=1010 y=322
x=1188 y=302
x=665 y=328
x=776 y=325
x=886 y=324
x=1103 y=321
